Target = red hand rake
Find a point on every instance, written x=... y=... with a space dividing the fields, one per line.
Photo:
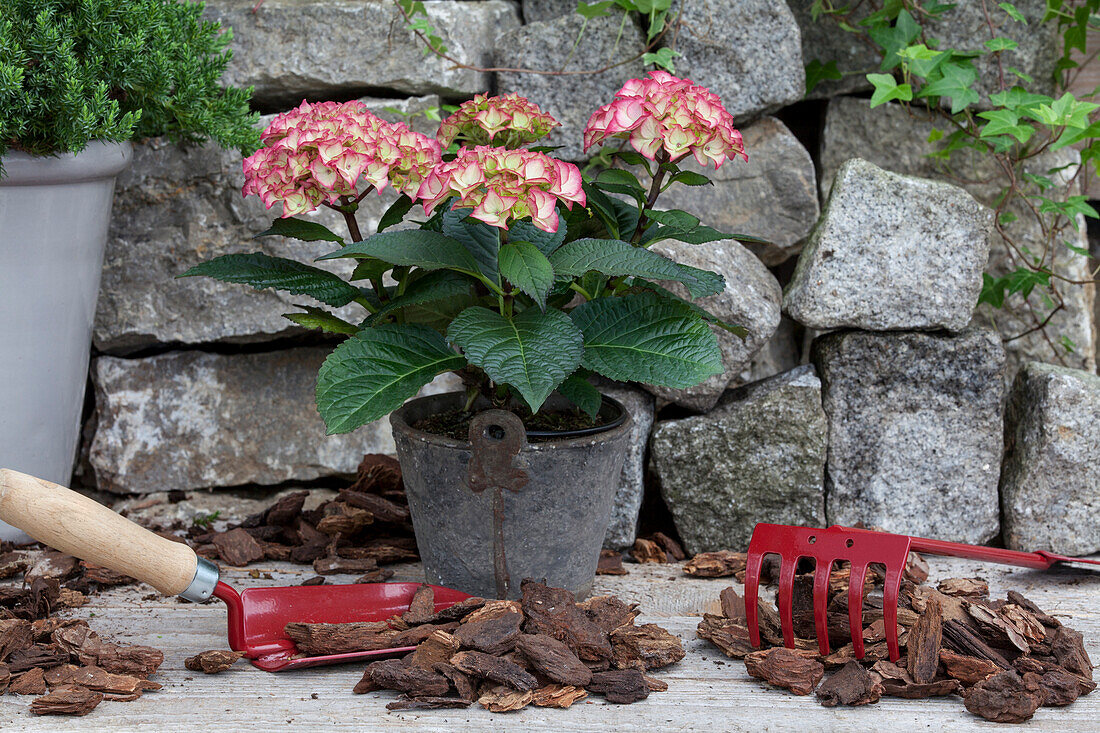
x=860 y=547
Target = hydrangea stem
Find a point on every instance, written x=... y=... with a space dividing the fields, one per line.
x=654 y=192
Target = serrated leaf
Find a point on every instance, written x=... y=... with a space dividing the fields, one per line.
x=702 y=234
x=817 y=72
x=533 y=352
x=739 y=331
x=615 y=257
x=582 y=393
x=320 y=319
x=480 y=240
x=524 y=266
x=430 y=287
x=376 y=370
x=368 y=268
x=395 y=213
x=620 y=180
x=263 y=271
x=643 y=338
x=307 y=231
x=411 y=248
x=546 y=242
x=675 y=218
x=689 y=178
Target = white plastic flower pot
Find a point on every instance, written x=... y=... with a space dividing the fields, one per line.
x=54 y=213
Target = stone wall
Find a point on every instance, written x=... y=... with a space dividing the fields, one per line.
x=201 y=385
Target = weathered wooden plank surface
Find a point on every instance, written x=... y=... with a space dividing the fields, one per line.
x=707 y=692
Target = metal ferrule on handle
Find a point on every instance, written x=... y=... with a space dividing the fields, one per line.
x=204 y=582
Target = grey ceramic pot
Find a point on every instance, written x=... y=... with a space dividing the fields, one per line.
x=54 y=213
x=485 y=519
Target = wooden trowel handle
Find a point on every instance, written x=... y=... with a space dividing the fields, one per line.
x=74 y=524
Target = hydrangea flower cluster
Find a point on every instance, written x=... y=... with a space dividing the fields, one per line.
x=665 y=112
x=317 y=153
x=503 y=185
x=479 y=121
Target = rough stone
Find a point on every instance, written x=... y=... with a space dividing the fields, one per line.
x=759 y=456
x=175 y=207
x=188 y=420
x=292 y=49
x=964 y=27
x=1050 y=484
x=623 y=528
x=751 y=299
x=891 y=252
x=892 y=138
x=748 y=53
x=551 y=45
x=772 y=196
x=915 y=431
x=536 y=10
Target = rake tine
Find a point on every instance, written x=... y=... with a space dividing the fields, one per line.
x=855 y=607
x=890 y=597
x=752 y=585
x=821 y=604
x=786 y=591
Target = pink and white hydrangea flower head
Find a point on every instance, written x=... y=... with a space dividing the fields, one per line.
x=503 y=185
x=663 y=112
x=317 y=153
x=508 y=121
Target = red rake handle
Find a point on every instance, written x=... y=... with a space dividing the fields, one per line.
x=1040 y=560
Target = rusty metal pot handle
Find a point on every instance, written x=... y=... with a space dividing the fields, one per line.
x=496 y=438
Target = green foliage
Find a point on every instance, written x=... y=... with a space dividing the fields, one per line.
x=1013 y=127
x=644 y=338
x=306 y=231
x=533 y=352
x=72 y=71
x=263 y=271
x=374 y=371
x=320 y=320
x=578 y=390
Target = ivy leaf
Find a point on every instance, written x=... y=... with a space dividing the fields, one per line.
x=429 y=287
x=894 y=38
x=533 y=352
x=817 y=72
x=888 y=89
x=480 y=240
x=1001 y=44
x=411 y=248
x=372 y=373
x=662 y=58
x=581 y=393
x=1013 y=13
x=263 y=271
x=320 y=319
x=956 y=82
x=307 y=231
x=615 y=257
x=523 y=265
x=592 y=10
x=642 y=338
x=546 y=242
x=1005 y=122
x=395 y=213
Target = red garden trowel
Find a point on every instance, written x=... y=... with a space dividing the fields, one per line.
x=74 y=524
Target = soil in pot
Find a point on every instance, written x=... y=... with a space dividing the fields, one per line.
x=456 y=423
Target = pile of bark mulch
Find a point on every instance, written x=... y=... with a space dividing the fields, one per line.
x=656 y=548
x=64 y=663
x=1004 y=658
x=545 y=650
x=365 y=526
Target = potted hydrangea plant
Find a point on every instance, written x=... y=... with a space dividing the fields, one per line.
x=526 y=280
x=78 y=80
